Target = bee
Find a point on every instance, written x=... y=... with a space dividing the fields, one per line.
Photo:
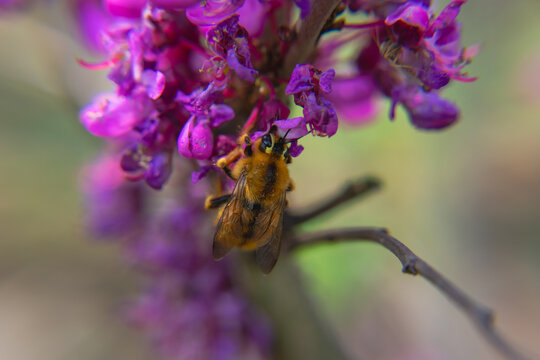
x=252 y=218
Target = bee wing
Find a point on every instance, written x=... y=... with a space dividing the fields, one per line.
x=229 y=227
x=267 y=254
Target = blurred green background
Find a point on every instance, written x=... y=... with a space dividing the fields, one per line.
x=467 y=200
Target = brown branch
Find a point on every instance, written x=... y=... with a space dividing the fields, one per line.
x=308 y=34
x=351 y=191
x=480 y=315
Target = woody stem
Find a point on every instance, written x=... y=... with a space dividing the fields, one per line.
x=351 y=191
x=308 y=34
x=480 y=315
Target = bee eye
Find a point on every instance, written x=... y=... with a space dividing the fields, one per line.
x=266 y=141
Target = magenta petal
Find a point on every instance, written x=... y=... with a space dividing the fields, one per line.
x=271 y=110
x=359 y=113
x=301 y=80
x=295 y=149
x=210 y=12
x=196 y=176
x=111 y=202
x=125 y=8
x=159 y=170
x=354 y=98
x=448 y=15
x=92 y=21
x=430 y=112
x=253 y=16
x=174 y=4
x=296 y=126
x=289 y=123
x=244 y=72
x=154 y=83
x=411 y=14
x=220 y=113
x=304 y=6
x=325 y=80
x=184 y=147
x=409 y=23
x=110 y=115
x=321 y=116
x=202 y=141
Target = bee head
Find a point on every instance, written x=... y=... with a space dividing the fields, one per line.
x=273 y=144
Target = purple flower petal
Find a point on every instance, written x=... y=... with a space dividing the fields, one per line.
x=211 y=12
x=410 y=13
x=125 y=8
x=272 y=109
x=174 y=4
x=92 y=21
x=433 y=78
x=196 y=176
x=304 y=6
x=301 y=80
x=154 y=83
x=184 y=139
x=159 y=170
x=295 y=126
x=325 y=80
x=428 y=111
x=202 y=141
x=110 y=115
x=448 y=15
x=244 y=72
x=321 y=116
x=224 y=144
x=137 y=50
x=253 y=16
x=219 y=114
x=112 y=203
x=195 y=141
x=131 y=162
x=295 y=149
x=409 y=23
x=354 y=98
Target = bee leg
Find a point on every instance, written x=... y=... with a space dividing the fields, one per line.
x=213 y=202
x=224 y=162
x=227 y=171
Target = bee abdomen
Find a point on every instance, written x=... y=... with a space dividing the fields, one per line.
x=253 y=209
x=252 y=206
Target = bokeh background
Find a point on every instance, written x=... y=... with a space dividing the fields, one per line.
x=466 y=199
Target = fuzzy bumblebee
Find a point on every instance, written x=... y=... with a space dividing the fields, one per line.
x=252 y=218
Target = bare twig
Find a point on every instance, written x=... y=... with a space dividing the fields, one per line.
x=307 y=35
x=351 y=191
x=480 y=315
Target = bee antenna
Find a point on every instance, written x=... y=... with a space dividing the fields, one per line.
x=298 y=138
x=287 y=133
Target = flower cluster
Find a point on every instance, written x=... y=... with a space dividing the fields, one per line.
x=191 y=76
x=413 y=54
x=191 y=308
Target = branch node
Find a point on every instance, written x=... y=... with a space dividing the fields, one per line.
x=362 y=185
x=481 y=316
x=486 y=317
x=410 y=266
